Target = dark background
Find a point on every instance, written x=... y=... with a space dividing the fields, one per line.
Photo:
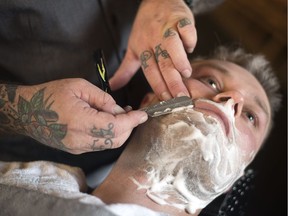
x=261 y=27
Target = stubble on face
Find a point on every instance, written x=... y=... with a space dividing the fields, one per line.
x=190 y=160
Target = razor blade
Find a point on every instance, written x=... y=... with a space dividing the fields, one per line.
x=166 y=107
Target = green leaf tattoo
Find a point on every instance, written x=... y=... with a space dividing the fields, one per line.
x=33 y=118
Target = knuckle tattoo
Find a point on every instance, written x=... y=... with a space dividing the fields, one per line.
x=169 y=32
x=160 y=52
x=184 y=22
x=100 y=134
x=144 y=57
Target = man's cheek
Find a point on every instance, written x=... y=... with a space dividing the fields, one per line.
x=247 y=144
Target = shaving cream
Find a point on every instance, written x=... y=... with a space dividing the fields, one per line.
x=192 y=161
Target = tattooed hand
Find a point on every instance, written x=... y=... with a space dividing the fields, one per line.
x=162 y=33
x=70 y=114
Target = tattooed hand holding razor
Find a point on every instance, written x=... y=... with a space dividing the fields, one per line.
x=71 y=115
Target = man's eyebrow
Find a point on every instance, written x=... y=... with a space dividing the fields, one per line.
x=261 y=105
x=212 y=65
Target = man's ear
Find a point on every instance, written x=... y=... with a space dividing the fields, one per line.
x=148 y=100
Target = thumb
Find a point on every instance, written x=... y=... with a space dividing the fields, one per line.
x=125 y=72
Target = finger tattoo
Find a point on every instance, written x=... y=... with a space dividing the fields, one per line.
x=160 y=52
x=169 y=32
x=144 y=57
x=183 y=22
x=107 y=134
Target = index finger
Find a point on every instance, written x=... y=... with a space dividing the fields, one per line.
x=174 y=46
x=188 y=33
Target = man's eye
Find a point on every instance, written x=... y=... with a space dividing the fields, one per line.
x=211 y=82
x=251 y=118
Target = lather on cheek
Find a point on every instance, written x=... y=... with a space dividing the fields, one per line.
x=203 y=164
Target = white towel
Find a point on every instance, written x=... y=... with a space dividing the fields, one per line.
x=47 y=177
x=61 y=181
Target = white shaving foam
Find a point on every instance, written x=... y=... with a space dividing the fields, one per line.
x=189 y=173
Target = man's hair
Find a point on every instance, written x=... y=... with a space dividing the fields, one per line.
x=258 y=66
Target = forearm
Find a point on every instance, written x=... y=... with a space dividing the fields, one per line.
x=26 y=110
x=9 y=111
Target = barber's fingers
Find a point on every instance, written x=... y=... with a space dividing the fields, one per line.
x=188 y=33
x=171 y=75
x=174 y=46
x=104 y=131
x=98 y=99
x=126 y=71
x=153 y=75
x=125 y=123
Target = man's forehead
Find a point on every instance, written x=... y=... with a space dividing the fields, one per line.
x=214 y=64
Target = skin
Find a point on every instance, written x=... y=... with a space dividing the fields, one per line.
x=70 y=114
x=217 y=81
x=166 y=34
x=166 y=37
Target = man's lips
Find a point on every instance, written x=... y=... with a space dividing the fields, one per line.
x=211 y=109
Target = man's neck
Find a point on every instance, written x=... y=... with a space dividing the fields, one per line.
x=118 y=187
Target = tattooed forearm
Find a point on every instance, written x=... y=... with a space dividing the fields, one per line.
x=160 y=52
x=32 y=117
x=7 y=97
x=100 y=134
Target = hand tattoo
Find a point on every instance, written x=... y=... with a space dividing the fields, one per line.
x=160 y=52
x=144 y=57
x=33 y=118
x=183 y=22
x=107 y=134
x=169 y=32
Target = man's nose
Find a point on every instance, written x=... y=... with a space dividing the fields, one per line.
x=237 y=97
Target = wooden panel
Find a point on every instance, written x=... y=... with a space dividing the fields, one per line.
x=260 y=25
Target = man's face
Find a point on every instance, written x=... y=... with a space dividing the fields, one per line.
x=218 y=81
x=199 y=152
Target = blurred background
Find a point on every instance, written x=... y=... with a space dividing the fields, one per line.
x=261 y=27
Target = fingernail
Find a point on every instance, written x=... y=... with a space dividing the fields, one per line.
x=128 y=108
x=181 y=94
x=118 y=110
x=165 y=96
x=143 y=119
x=186 y=73
x=190 y=50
